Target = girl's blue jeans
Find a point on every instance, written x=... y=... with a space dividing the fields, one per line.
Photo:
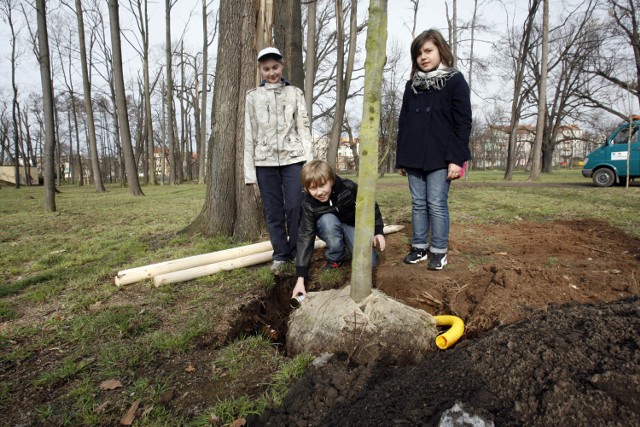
x=429 y=209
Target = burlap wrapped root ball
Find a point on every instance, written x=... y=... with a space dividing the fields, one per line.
x=377 y=329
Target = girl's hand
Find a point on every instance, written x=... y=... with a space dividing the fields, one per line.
x=379 y=242
x=453 y=171
x=402 y=172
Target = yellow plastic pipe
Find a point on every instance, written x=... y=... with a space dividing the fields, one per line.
x=449 y=338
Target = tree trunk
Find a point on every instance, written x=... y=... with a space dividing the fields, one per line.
x=365 y=207
x=534 y=175
x=516 y=104
x=231 y=208
x=14 y=87
x=288 y=37
x=173 y=158
x=123 y=116
x=47 y=98
x=310 y=66
x=202 y=143
x=343 y=81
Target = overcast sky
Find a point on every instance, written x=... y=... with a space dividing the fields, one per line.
x=187 y=15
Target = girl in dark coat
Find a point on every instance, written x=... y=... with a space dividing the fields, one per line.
x=433 y=143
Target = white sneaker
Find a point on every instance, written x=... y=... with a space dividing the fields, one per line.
x=277 y=267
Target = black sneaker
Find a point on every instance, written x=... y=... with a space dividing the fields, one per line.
x=437 y=262
x=332 y=265
x=416 y=255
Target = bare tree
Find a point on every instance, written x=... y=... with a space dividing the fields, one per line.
x=231 y=208
x=343 y=76
x=519 y=48
x=123 y=115
x=7 y=9
x=309 y=64
x=453 y=30
x=47 y=97
x=173 y=158
x=86 y=88
x=615 y=62
x=288 y=37
x=542 y=95
x=206 y=41
x=365 y=209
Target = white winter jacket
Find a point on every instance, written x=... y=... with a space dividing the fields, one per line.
x=276 y=128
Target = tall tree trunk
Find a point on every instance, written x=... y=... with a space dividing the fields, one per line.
x=309 y=65
x=288 y=37
x=147 y=134
x=231 y=207
x=516 y=103
x=173 y=158
x=343 y=81
x=369 y=131
x=47 y=98
x=123 y=116
x=536 y=165
x=14 y=86
x=77 y=131
x=202 y=143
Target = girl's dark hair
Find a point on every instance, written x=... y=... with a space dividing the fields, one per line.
x=446 y=56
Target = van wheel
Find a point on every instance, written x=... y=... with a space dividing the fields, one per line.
x=604 y=177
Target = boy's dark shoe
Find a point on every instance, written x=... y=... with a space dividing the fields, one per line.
x=332 y=265
x=416 y=255
x=437 y=262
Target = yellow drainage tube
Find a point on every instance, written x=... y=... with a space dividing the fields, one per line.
x=446 y=340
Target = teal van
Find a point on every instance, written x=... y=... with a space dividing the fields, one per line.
x=607 y=164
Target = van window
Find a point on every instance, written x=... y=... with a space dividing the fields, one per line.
x=623 y=136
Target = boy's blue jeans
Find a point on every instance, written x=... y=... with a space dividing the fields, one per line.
x=339 y=238
x=429 y=209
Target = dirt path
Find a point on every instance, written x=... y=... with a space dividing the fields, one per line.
x=552 y=334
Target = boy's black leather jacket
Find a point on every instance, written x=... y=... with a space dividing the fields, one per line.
x=342 y=203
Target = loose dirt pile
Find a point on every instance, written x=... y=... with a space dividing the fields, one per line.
x=552 y=335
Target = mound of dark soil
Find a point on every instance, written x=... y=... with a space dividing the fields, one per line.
x=577 y=364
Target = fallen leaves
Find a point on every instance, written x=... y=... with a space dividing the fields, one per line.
x=130 y=416
x=110 y=384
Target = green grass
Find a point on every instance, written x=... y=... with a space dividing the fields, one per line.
x=63 y=317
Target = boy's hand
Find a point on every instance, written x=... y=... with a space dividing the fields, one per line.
x=402 y=172
x=379 y=242
x=299 y=288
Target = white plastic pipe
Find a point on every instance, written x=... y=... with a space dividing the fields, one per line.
x=246 y=261
x=136 y=274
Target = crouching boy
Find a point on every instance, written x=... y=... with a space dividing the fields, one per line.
x=328 y=211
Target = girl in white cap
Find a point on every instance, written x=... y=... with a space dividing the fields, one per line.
x=277 y=143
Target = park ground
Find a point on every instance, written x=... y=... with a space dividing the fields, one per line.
x=550 y=301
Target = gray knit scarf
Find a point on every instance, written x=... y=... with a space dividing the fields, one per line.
x=435 y=79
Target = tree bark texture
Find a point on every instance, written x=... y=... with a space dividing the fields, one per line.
x=86 y=87
x=288 y=38
x=366 y=199
x=47 y=98
x=534 y=174
x=231 y=208
x=121 y=100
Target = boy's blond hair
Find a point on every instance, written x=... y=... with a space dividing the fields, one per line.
x=316 y=173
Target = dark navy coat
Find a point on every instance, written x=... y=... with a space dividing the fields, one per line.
x=434 y=126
